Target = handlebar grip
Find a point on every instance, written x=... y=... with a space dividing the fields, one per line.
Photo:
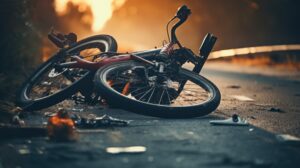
x=183 y=12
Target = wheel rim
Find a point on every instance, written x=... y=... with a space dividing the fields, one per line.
x=50 y=80
x=119 y=80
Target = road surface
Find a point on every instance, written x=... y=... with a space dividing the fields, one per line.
x=183 y=143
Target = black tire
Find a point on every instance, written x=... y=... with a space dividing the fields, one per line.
x=104 y=43
x=117 y=99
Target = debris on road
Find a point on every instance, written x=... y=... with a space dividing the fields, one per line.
x=289 y=139
x=242 y=98
x=252 y=117
x=235 y=120
x=130 y=149
x=93 y=121
x=61 y=127
x=23 y=151
x=17 y=121
x=234 y=86
x=274 y=109
x=251 y=129
x=77 y=109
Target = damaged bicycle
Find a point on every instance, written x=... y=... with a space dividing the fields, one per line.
x=152 y=82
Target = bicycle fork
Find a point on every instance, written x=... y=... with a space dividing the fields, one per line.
x=204 y=51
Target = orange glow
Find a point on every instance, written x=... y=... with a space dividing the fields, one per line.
x=46 y=52
x=57 y=121
x=101 y=10
x=126 y=88
x=253 y=50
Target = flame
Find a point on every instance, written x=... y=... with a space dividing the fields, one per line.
x=101 y=10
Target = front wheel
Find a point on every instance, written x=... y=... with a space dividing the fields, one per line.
x=138 y=88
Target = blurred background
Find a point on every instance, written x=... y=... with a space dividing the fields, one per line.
x=136 y=25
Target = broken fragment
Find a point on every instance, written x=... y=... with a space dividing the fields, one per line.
x=17 y=121
x=130 y=149
x=24 y=151
x=289 y=139
x=235 y=120
x=241 y=97
x=96 y=122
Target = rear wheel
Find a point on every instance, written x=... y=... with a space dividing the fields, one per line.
x=50 y=84
x=136 y=87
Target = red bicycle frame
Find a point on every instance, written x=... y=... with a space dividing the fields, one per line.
x=93 y=66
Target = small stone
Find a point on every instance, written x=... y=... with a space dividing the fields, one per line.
x=252 y=117
x=274 y=109
x=234 y=86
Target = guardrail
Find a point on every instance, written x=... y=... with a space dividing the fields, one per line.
x=253 y=50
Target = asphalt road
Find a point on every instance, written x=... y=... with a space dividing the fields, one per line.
x=182 y=143
x=275 y=93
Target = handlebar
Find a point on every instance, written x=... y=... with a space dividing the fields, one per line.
x=182 y=14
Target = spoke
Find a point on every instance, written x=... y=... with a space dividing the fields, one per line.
x=151 y=95
x=142 y=92
x=168 y=95
x=146 y=93
x=161 y=96
x=139 y=89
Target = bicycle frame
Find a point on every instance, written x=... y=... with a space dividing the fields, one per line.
x=93 y=66
x=144 y=56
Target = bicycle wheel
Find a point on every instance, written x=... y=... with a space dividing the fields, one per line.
x=49 y=85
x=126 y=85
